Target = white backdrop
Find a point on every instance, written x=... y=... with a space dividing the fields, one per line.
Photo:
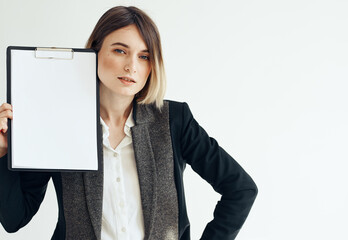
x=267 y=79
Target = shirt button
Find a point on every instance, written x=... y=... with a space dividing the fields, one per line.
x=115 y=154
x=121 y=204
x=124 y=229
x=118 y=179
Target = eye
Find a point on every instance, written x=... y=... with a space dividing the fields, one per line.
x=119 y=51
x=145 y=57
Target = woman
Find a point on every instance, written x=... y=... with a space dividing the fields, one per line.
x=138 y=194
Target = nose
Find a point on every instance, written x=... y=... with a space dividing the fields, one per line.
x=130 y=66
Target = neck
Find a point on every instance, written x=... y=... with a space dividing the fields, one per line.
x=114 y=109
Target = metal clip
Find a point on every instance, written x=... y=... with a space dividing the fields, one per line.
x=54 y=53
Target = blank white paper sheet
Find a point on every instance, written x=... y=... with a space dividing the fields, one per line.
x=55 y=108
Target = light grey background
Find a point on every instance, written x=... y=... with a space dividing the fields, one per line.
x=267 y=79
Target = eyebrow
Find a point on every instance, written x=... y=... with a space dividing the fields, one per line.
x=126 y=46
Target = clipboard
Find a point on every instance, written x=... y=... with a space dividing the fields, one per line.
x=54 y=93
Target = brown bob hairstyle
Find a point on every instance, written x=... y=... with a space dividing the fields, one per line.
x=119 y=17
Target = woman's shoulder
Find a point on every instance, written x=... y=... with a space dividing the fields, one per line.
x=179 y=113
x=174 y=110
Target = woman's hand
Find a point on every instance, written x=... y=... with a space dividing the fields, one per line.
x=5 y=113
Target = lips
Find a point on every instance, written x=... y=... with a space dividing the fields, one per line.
x=127 y=79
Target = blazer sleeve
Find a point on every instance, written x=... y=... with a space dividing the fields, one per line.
x=225 y=175
x=21 y=194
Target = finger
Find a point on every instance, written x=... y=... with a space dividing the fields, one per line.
x=6 y=114
x=5 y=106
x=3 y=127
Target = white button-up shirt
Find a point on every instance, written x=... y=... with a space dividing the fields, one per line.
x=122 y=217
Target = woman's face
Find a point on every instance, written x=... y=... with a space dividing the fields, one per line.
x=123 y=62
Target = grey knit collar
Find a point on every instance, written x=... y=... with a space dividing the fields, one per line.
x=155 y=164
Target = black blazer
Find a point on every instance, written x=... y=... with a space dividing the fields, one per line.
x=21 y=193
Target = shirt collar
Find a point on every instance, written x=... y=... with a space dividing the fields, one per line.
x=129 y=123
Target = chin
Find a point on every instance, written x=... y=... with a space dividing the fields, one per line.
x=125 y=93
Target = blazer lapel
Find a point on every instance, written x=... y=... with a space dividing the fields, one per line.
x=147 y=175
x=93 y=182
x=154 y=158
